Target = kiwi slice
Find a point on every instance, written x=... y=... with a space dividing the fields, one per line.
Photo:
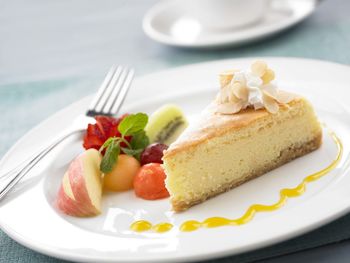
x=166 y=124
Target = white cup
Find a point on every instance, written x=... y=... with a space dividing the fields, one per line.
x=226 y=14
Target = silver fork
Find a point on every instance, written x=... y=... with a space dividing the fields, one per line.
x=107 y=101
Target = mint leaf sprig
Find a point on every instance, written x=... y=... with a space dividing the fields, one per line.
x=132 y=125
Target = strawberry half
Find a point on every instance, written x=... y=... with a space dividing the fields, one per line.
x=105 y=127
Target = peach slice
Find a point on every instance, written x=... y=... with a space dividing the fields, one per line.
x=81 y=190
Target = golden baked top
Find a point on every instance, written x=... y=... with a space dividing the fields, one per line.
x=211 y=124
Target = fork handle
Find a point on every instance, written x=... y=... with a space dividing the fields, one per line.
x=12 y=177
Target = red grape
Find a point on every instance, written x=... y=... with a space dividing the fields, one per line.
x=153 y=153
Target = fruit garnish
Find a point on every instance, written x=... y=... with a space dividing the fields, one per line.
x=153 y=153
x=122 y=175
x=81 y=189
x=149 y=182
x=105 y=127
x=166 y=124
x=132 y=126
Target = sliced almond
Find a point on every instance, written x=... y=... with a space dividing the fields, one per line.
x=229 y=108
x=284 y=97
x=226 y=77
x=232 y=96
x=240 y=91
x=270 y=103
x=271 y=90
x=268 y=76
x=259 y=68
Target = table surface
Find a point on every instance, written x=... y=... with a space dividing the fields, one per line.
x=64 y=41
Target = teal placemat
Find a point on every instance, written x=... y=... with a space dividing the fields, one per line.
x=24 y=105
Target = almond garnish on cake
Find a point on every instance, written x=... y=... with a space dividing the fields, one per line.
x=250 y=128
x=243 y=89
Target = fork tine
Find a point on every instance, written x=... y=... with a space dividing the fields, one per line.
x=107 y=92
x=124 y=90
x=116 y=91
x=102 y=88
x=112 y=92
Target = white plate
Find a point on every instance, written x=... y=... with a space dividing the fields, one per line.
x=168 y=23
x=27 y=214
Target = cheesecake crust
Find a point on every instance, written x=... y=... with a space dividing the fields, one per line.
x=288 y=154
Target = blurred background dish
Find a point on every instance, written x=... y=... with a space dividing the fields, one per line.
x=225 y=14
x=179 y=23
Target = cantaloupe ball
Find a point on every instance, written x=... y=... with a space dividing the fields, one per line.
x=122 y=176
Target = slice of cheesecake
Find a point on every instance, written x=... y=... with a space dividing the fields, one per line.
x=221 y=151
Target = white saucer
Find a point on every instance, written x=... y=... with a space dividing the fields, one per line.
x=168 y=23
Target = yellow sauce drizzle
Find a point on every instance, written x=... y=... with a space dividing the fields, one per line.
x=141 y=226
x=192 y=225
x=162 y=227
